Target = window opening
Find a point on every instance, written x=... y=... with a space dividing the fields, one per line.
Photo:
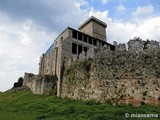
x=79 y=36
x=74 y=48
x=74 y=34
x=79 y=49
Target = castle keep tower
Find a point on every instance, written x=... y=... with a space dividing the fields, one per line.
x=94 y=27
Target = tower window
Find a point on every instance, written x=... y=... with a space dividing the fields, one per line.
x=74 y=34
x=85 y=49
x=95 y=42
x=100 y=43
x=90 y=40
x=85 y=38
x=103 y=43
x=74 y=48
x=79 y=49
x=79 y=36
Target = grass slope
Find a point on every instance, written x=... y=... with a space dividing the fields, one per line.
x=23 y=105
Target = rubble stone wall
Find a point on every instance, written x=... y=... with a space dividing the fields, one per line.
x=119 y=77
x=46 y=84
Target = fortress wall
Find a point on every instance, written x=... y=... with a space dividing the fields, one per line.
x=46 y=84
x=29 y=80
x=119 y=77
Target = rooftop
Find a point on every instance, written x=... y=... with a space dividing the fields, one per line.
x=94 y=19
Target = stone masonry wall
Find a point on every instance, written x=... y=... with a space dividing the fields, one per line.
x=46 y=84
x=119 y=77
x=138 y=45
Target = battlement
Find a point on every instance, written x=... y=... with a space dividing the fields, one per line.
x=136 y=46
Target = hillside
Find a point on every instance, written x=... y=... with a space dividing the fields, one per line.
x=20 y=104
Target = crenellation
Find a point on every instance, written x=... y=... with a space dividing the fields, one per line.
x=115 y=43
x=121 y=47
x=135 y=46
x=151 y=45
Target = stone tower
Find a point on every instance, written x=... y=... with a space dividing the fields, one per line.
x=94 y=27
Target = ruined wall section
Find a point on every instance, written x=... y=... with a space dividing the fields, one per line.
x=28 y=80
x=138 y=45
x=46 y=84
x=119 y=77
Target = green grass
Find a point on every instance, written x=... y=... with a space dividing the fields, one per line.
x=23 y=105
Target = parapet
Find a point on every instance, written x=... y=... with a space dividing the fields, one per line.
x=121 y=47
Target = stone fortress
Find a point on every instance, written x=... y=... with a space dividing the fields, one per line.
x=81 y=64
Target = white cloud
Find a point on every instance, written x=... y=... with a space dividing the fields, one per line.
x=149 y=28
x=23 y=40
x=20 y=49
x=100 y=15
x=144 y=10
x=77 y=4
x=120 y=8
x=82 y=2
x=105 y=1
x=120 y=32
x=145 y=28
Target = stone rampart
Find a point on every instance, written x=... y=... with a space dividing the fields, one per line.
x=135 y=46
x=119 y=77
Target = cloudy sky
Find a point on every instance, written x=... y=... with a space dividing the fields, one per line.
x=29 y=27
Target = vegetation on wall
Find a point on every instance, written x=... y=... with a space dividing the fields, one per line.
x=84 y=64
